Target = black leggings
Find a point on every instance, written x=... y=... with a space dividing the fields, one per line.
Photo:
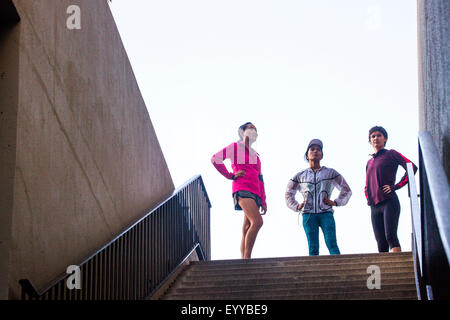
x=385 y=217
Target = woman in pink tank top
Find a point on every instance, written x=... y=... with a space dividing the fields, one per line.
x=248 y=184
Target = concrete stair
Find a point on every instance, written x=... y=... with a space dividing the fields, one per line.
x=320 y=277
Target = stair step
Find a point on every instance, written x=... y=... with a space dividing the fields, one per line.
x=299 y=262
x=303 y=286
x=314 y=259
x=409 y=293
x=194 y=270
x=389 y=277
x=264 y=274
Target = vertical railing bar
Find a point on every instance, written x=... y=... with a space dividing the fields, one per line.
x=160 y=235
x=147 y=257
x=117 y=272
x=95 y=277
x=109 y=268
x=121 y=273
x=66 y=294
x=138 y=254
x=135 y=262
x=139 y=260
x=152 y=252
x=102 y=275
x=63 y=290
x=89 y=285
x=112 y=270
x=170 y=235
x=132 y=275
x=166 y=247
x=128 y=266
x=148 y=284
x=105 y=271
x=143 y=258
x=84 y=280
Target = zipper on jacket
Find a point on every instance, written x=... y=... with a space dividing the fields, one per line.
x=315 y=192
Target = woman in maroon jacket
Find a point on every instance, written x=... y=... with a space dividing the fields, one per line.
x=380 y=190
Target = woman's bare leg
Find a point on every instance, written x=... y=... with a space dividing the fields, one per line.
x=245 y=228
x=396 y=249
x=251 y=212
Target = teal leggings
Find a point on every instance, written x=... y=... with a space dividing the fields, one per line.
x=311 y=224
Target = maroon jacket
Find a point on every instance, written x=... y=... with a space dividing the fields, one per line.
x=381 y=170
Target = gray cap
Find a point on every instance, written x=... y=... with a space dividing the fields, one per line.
x=315 y=142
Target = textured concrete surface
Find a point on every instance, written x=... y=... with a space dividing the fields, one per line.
x=87 y=160
x=434 y=74
x=9 y=66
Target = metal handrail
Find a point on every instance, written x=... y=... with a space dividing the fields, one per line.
x=439 y=188
x=135 y=262
x=430 y=223
x=415 y=210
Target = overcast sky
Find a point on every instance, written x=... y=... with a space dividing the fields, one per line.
x=298 y=70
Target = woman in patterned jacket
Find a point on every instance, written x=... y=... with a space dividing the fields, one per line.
x=316 y=185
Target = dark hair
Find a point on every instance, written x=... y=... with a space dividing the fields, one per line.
x=380 y=129
x=242 y=129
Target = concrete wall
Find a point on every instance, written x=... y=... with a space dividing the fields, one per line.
x=434 y=73
x=9 y=70
x=88 y=162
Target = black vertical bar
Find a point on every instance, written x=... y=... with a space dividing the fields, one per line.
x=132 y=248
x=138 y=264
x=148 y=268
x=114 y=267
x=149 y=262
x=120 y=273
x=112 y=270
x=135 y=262
x=141 y=259
x=89 y=281
x=94 y=277
x=152 y=250
x=106 y=266
x=55 y=292
x=160 y=235
x=128 y=265
x=84 y=282
x=101 y=276
x=171 y=237
x=94 y=263
x=115 y=271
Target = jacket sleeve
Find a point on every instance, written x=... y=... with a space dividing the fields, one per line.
x=263 y=192
x=401 y=160
x=218 y=158
x=261 y=185
x=291 y=190
x=344 y=190
x=365 y=187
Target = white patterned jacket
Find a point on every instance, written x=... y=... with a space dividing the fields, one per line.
x=315 y=186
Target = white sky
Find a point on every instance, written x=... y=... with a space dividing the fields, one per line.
x=298 y=70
